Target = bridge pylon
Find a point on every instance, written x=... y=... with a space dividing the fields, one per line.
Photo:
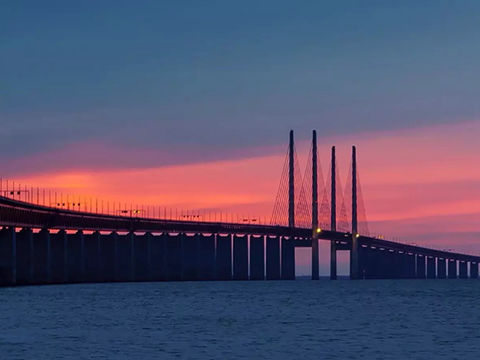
x=354 y=253
x=333 y=217
x=315 y=255
x=291 y=182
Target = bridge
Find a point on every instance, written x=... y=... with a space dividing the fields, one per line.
x=44 y=243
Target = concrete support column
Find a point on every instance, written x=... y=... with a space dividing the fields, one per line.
x=42 y=257
x=76 y=257
x=452 y=269
x=473 y=270
x=370 y=264
x=158 y=257
x=411 y=265
x=173 y=256
x=354 y=259
x=431 y=271
x=206 y=257
x=273 y=258
x=391 y=265
x=441 y=268
x=8 y=256
x=189 y=257
x=362 y=262
x=420 y=266
x=240 y=257
x=24 y=256
x=462 y=265
x=333 y=260
x=92 y=257
x=257 y=258
x=223 y=259
x=384 y=261
x=394 y=265
x=400 y=265
x=125 y=257
x=58 y=244
x=108 y=255
x=141 y=247
x=288 y=259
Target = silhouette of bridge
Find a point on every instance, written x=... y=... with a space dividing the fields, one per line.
x=52 y=241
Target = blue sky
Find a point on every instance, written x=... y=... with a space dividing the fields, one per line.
x=226 y=77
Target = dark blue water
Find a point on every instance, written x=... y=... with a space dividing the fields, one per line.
x=251 y=320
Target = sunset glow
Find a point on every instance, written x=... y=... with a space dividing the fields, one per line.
x=403 y=179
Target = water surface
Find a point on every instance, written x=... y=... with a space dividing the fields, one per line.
x=375 y=319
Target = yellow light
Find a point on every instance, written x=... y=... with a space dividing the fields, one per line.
x=319 y=230
x=357 y=235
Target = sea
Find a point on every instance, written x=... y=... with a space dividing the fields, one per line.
x=302 y=319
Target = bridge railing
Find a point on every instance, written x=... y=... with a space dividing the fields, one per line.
x=55 y=199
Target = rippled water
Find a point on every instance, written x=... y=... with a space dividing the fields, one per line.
x=260 y=320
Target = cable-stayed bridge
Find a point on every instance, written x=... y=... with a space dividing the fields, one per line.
x=58 y=240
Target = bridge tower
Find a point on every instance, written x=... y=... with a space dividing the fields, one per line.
x=291 y=182
x=333 y=218
x=315 y=261
x=354 y=263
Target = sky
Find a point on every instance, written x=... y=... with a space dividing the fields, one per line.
x=188 y=104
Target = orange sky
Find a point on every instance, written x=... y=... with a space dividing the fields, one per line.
x=415 y=183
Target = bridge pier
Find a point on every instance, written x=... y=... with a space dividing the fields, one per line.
x=42 y=257
x=173 y=256
x=206 y=257
x=288 y=259
x=420 y=266
x=393 y=266
x=354 y=259
x=158 y=257
x=442 y=268
x=58 y=243
x=125 y=258
x=333 y=260
x=92 y=260
x=362 y=262
x=257 y=258
x=273 y=258
x=75 y=257
x=473 y=270
x=8 y=256
x=462 y=265
x=223 y=259
x=240 y=257
x=383 y=264
x=431 y=271
x=24 y=252
x=141 y=249
x=452 y=269
x=190 y=257
x=400 y=264
x=108 y=250
x=372 y=267
x=411 y=265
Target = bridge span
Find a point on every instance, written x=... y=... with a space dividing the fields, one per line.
x=45 y=245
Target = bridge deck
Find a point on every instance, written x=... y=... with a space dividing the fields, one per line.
x=20 y=214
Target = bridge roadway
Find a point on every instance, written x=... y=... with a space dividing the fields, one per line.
x=19 y=261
